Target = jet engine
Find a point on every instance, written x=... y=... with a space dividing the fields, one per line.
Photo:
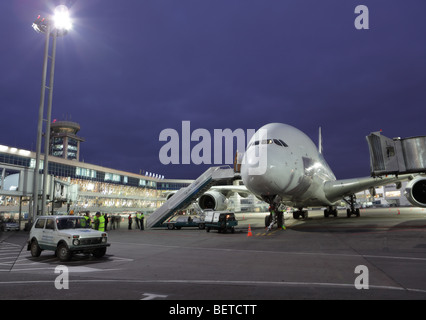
x=213 y=200
x=171 y=194
x=415 y=191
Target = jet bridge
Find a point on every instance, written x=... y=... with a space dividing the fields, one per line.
x=396 y=156
x=185 y=196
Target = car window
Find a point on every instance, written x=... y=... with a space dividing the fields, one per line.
x=50 y=224
x=40 y=224
x=71 y=223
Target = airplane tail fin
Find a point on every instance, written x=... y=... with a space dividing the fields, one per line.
x=320 y=141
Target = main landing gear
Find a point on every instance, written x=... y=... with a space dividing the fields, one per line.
x=352 y=210
x=330 y=211
x=300 y=214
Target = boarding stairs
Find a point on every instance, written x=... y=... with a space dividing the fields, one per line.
x=185 y=196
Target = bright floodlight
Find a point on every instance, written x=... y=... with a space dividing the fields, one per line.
x=62 y=18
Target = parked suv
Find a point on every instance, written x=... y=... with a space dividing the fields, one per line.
x=66 y=235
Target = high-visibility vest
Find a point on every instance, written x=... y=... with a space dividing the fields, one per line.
x=101 y=223
x=94 y=221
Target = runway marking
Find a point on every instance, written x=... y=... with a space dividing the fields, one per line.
x=22 y=261
x=221 y=282
x=279 y=252
x=152 y=296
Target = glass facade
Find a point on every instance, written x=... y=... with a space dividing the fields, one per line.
x=100 y=189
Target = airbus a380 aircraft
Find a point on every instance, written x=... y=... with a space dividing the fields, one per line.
x=282 y=165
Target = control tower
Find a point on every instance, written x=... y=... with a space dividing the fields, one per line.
x=64 y=142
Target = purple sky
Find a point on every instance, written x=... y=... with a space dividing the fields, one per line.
x=130 y=69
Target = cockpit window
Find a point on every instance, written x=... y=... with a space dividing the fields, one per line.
x=278 y=142
x=267 y=141
x=283 y=143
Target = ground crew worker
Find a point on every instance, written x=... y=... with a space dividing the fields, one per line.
x=101 y=219
x=142 y=217
x=87 y=218
x=96 y=221
x=138 y=218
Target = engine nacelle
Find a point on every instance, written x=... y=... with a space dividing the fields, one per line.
x=171 y=194
x=213 y=200
x=415 y=191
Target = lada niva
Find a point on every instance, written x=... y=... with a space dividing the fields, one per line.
x=66 y=235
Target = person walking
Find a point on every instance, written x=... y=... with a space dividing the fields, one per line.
x=96 y=221
x=112 y=222
x=101 y=220
x=106 y=221
x=87 y=218
x=138 y=217
x=142 y=218
x=130 y=222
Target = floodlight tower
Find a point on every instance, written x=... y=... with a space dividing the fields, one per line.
x=57 y=25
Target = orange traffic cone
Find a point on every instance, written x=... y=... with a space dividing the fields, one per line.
x=249 y=234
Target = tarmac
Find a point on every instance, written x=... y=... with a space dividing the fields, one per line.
x=380 y=255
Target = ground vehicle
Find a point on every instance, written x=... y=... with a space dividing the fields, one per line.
x=66 y=235
x=221 y=221
x=8 y=225
x=185 y=221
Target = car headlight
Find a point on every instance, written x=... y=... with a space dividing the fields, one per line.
x=76 y=240
x=104 y=238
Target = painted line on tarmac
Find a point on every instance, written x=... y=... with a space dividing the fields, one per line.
x=349 y=255
x=222 y=282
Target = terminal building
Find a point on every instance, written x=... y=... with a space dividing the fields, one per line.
x=99 y=188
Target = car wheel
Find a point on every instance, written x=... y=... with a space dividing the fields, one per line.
x=63 y=253
x=35 y=249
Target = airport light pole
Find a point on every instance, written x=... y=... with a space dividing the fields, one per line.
x=57 y=25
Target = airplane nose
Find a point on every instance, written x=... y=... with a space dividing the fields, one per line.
x=262 y=173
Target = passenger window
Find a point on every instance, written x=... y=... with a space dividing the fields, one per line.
x=50 y=224
x=40 y=223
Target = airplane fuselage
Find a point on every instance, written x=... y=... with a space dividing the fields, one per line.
x=282 y=161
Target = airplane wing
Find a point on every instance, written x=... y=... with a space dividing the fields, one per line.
x=338 y=189
x=227 y=191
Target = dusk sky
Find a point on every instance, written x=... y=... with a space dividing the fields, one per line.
x=130 y=69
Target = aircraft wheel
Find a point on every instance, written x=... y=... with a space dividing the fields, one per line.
x=348 y=213
x=267 y=220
